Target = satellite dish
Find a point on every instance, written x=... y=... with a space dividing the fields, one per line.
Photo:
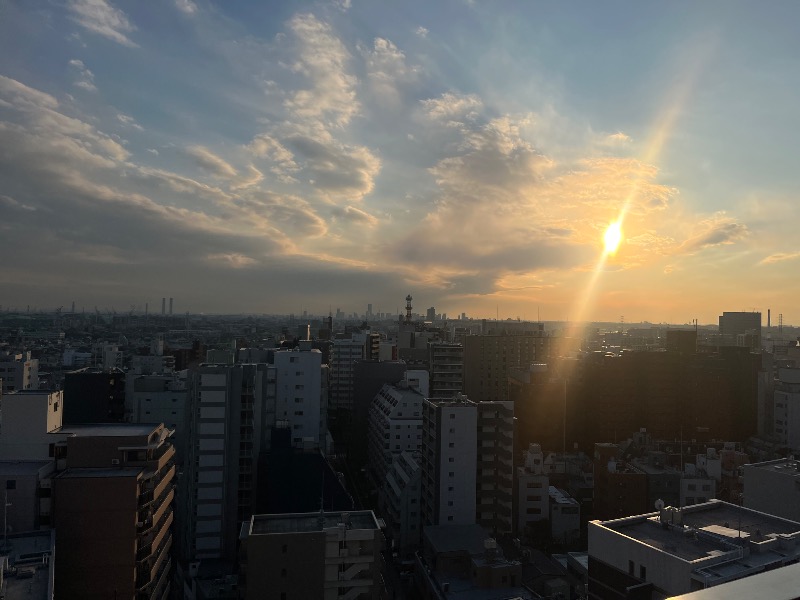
x=659 y=504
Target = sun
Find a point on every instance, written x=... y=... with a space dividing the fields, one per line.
x=612 y=237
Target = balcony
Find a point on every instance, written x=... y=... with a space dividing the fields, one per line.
x=147 y=568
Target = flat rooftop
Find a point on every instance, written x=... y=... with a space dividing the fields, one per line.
x=777 y=584
x=707 y=529
x=107 y=429
x=104 y=472
x=22 y=467
x=33 y=578
x=788 y=467
x=313 y=521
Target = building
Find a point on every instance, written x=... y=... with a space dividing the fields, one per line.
x=402 y=489
x=619 y=488
x=488 y=360
x=345 y=353
x=565 y=517
x=680 y=550
x=29 y=565
x=773 y=487
x=446 y=367
x=18 y=371
x=28 y=418
x=326 y=555
x=159 y=399
x=741 y=329
x=533 y=484
x=449 y=461
x=459 y=561
x=112 y=511
x=94 y=395
x=495 y=467
x=787 y=408
x=300 y=395
x=28 y=487
x=395 y=425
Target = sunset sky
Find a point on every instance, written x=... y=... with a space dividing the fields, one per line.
x=276 y=156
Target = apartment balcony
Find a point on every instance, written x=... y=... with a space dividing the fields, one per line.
x=148 y=568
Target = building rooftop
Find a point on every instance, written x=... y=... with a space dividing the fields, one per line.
x=93 y=472
x=782 y=466
x=107 y=429
x=313 y=521
x=455 y=538
x=777 y=584
x=30 y=554
x=22 y=467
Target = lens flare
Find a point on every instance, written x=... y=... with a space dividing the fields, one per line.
x=613 y=237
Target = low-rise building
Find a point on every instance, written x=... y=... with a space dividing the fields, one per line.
x=679 y=550
x=322 y=555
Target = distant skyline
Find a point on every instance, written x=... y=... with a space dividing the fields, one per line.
x=275 y=157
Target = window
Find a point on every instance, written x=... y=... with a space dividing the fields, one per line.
x=452 y=415
x=451 y=445
x=533 y=511
x=692 y=487
x=284 y=548
x=283 y=572
x=631 y=568
x=449 y=503
x=451 y=474
x=642 y=572
x=450 y=518
x=451 y=459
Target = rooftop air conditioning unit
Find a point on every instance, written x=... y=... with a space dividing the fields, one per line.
x=114 y=461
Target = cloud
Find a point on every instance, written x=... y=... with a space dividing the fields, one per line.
x=10 y=203
x=421 y=32
x=98 y=16
x=211 y=162
x=153 y=151
x=130 y=122
x=322 y=60
x=617 y=139
x=186 y=6
x=253 y=177
x=356 y=215
x=343 y=5
x=84 y=77
x=717 y=230
x=387 y=70
x=779 y=257
x=232 y=260
x=452 y=108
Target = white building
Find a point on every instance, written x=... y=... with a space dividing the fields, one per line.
x=401 y=500
x=787 y=408
x=300 y=395
x=18 y=371
x=75 y=359
x=26 y=419
x=773 y=487
x=680 y=550
x=449 y=461
x=394 y=425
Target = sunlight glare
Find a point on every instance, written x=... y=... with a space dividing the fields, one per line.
x=613 y=237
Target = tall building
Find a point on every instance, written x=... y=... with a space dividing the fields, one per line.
x=401 y=502
x=300 y=395
x=94 y=395
x=159 y=399
x=28 y=419
x=18 y=371
x=112 y=511
x=488 y=360
x=449 y=461
x=344 y=354
x=495 y=466
x=226 y=404
x=681 y=550
x=741 y=329
x=787 y=408
x=326 y=555
x=446 y=365
x=395 y=425
x=532 y=491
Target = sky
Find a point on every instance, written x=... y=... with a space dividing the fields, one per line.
x=272 y=157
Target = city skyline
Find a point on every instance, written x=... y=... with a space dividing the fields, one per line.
x=263 y=156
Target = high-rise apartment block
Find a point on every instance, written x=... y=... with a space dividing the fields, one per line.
x=449 y=461
x=395 y=425
x=325 y=555
x=300 y=395
x=488 y=360
x=112 y=509
x=495 y=467
x=446 y=366
x=344 y=354
x=401 y=502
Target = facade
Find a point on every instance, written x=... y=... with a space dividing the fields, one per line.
x=676 y=551
x=495 y=467
x=27 y=486
x=619 y=488
x=326 y=555
x=533 y=484
x=94 y=395
x=402 y=490
x=449 y=461
x=741 y=329
x=301 y=395
x=112 y=511
x=28 y=418
x=488 y=360
x=18 y=371
x=159 y=399
x=565 y=516
x=446 y=365
x=395 y=425
x=787 y=408
x=344 y=354
x=224 y=442
x=773 y=487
